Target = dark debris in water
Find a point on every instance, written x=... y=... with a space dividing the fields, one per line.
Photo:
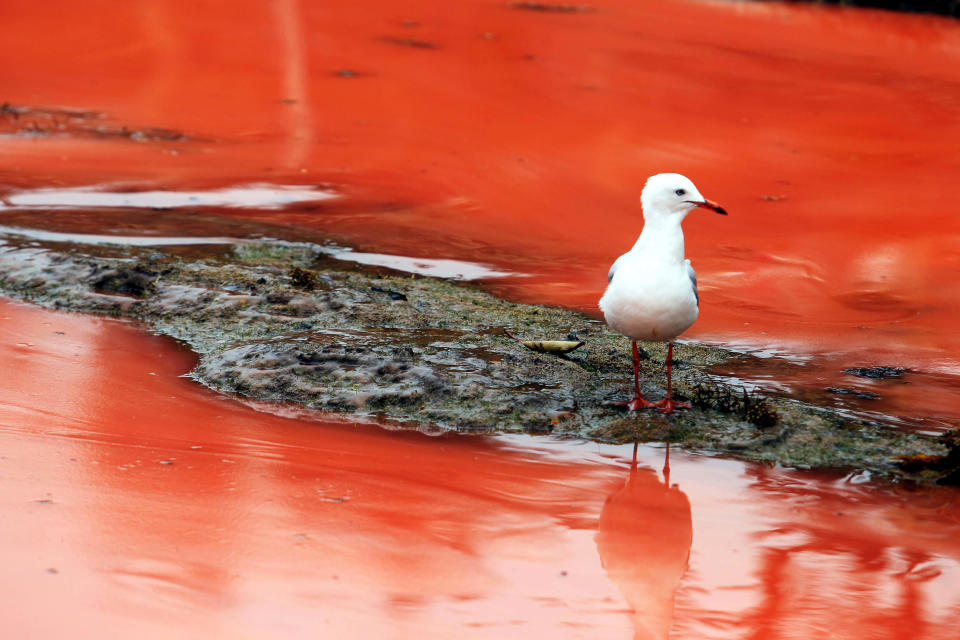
x=410 y=42
x=58 y=121
x=51 y=113
x=863 y=395
x=879 y=373
x=550 y=8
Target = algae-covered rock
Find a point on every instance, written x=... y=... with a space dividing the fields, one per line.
x=282 y=322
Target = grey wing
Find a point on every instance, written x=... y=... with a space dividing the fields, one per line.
x=613 y=269
x=693 y=281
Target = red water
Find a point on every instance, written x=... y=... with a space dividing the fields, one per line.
x=137 y=504
x=522 y=138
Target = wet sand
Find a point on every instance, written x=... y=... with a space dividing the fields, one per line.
x=135 y=502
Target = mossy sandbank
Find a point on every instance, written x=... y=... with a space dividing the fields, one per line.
x=283 y=322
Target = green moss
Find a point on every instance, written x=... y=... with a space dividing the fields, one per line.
x=272 y=253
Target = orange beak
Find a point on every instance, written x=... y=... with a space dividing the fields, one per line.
x=709 y=204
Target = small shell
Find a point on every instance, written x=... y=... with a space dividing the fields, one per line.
x=552 y=346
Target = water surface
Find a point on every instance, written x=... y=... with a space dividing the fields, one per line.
x=136 y=503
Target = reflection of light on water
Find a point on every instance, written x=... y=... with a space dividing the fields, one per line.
x=770 y=551
x=456 y=269
x=798 y=353
x=296 y=85
x=132 y=241
x=751 y=386
x=259 y=196
x=880 y=265
x=450 y=269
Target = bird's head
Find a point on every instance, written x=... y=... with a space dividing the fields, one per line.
x=673 y=195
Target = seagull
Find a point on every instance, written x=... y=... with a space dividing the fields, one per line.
x=652 y=289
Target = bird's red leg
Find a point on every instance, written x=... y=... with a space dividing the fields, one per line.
x=666 y=468
x=638 y=402
x=667 y=405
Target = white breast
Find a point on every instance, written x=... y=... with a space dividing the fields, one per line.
x=649 y=299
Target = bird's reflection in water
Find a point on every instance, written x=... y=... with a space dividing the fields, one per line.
x=644 y=541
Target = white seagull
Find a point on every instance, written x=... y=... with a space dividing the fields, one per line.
x=652 y=289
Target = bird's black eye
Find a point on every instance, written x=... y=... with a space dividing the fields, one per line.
x=681 y=192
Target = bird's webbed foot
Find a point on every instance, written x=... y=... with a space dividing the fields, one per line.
x=638 y=402
x=668 y=405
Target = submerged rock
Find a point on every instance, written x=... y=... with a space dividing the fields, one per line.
x=876 y=372
x=282 y=322
x=863 y=395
